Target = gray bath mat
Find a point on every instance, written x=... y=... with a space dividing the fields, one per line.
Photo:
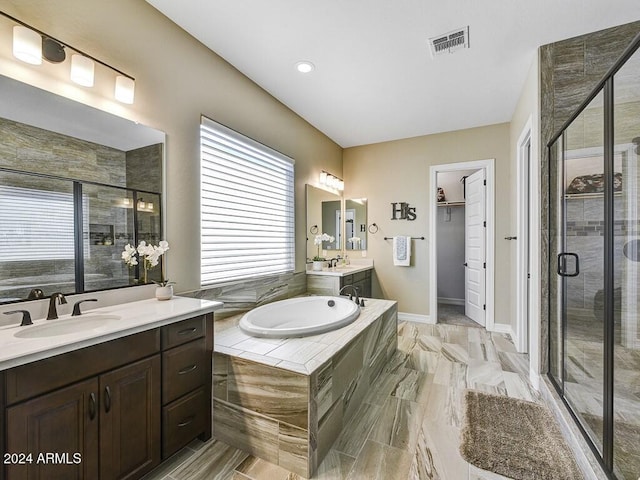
x=515 y=438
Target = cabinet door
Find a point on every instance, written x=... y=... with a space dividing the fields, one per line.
x=55 y=435
x=130 y=420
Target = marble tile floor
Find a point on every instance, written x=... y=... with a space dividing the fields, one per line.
x=409 y=425
x=454 y=315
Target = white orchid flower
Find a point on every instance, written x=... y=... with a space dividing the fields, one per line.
x=129 y=255
x=149 y=255
x=163 y=245
x=325 y=237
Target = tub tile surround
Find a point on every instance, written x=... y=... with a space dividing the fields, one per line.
x=290 y=413
x=407 y=426
x=301 y=355
x=243 y=296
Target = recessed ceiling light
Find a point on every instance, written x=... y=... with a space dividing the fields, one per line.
x=305 y=67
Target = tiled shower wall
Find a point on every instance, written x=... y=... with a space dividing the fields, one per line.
x=569 y=70
x=585 y=234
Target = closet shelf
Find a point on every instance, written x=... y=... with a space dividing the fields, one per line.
x=450 y=204
x=569 y=196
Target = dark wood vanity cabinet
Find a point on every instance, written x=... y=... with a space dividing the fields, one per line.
x=361 y=280
x=62 y=421
x=186 y=383
x=111 y=411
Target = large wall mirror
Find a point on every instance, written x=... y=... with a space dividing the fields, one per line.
x=355 y=224
x=324 y=215
x=76 y=185
x=346 y=223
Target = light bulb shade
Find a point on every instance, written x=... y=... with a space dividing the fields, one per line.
x=323 y=178
x=341 y=185
x=27 y=45
x=125 y=89
x=82 y=70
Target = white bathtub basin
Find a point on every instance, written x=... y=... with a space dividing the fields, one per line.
x=299 y=317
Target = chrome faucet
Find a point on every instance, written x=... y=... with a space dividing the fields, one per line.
x=354 y=290
x=53 y=313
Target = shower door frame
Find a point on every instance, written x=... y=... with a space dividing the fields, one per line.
x=606 y=458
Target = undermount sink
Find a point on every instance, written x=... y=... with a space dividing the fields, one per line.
x=54 y=328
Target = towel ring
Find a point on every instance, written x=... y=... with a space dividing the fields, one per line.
x=371 y=228
x=313 y=229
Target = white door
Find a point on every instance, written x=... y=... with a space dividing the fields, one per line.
x=474 y=246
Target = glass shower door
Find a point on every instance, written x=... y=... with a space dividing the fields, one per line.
x=626 y=292
x=580 y=264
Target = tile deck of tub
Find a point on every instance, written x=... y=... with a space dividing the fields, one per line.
x=301 y=355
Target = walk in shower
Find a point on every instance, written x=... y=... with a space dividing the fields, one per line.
x=594 y=270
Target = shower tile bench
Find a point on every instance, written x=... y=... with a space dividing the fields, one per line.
x=286 y=400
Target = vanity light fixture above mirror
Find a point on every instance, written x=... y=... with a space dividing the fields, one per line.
x=31 y=45
x=331 y=181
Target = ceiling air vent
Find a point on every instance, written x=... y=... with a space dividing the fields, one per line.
x=449 y=42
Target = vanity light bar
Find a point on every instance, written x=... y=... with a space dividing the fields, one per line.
x=331 y=181
x=27 y=47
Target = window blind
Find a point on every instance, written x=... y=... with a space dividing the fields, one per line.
x=30 y=218
x=247 y=207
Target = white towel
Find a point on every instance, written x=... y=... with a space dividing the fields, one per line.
x=402 y=251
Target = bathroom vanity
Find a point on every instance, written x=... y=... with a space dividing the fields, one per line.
x=110 y=402
x=329 y=281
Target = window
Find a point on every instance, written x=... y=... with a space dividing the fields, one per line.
x=247 y=209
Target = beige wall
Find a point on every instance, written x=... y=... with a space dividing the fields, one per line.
x=177 y=80
x=398 y=171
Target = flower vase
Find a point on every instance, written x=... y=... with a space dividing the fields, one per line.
x=318 y=265
x=164 y=293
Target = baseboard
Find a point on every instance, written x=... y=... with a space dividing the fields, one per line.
x=502 y=328
x=451 y=301
x=414 y=317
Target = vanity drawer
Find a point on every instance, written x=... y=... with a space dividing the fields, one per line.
x=183 y=332
x=183 y=420
x=45 y=375
x=184 y=368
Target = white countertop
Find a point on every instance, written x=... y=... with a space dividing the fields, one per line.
x=135 y=317
x=340 y=271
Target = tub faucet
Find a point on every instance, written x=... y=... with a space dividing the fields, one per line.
x=53 y=313
x=354 y=290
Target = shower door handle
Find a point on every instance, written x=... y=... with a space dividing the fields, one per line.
x=562 y=265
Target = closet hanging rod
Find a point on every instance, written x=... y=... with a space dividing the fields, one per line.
x=412 y=238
